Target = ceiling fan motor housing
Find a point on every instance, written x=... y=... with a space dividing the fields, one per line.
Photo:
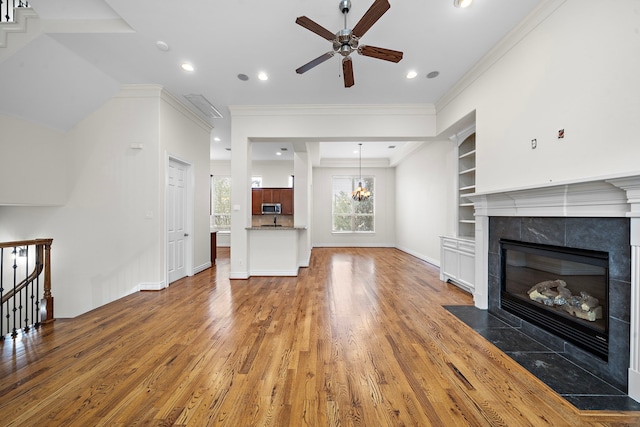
x=345 y=5
x=345 y=42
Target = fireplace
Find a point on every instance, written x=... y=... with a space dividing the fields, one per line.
x=561 y=289
x=600 y=214
x=564 y=247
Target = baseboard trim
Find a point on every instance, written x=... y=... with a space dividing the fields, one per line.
x=151 y=286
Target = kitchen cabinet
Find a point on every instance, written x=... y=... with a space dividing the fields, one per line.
x=284 y=196
x=286 y=200
x=256 y=201
x=214 y=247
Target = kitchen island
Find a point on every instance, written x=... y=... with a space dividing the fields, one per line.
x=273 y=250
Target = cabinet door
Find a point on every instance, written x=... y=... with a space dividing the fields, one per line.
x=267 y=195
x=256 y=201
x=286 y=200
x=275 y=195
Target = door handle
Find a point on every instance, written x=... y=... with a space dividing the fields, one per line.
x=186 y=234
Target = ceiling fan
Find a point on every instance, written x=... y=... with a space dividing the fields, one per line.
x=346 y=40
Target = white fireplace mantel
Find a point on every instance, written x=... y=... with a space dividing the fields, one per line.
x=614 y=196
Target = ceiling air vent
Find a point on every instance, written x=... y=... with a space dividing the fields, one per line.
x=205 y=107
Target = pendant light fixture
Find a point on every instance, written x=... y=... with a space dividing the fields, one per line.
x=360 y=193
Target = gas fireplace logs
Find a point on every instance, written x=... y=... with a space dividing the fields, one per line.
x=555 y=293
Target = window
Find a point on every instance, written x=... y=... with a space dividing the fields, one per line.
x=221 y=201
x=256 y=182
x=351 y=216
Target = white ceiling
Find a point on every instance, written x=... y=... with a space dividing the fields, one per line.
x=62 y=76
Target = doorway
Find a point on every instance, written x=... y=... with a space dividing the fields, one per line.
x=178 y=208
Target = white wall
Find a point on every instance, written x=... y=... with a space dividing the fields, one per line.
x=184 y=136
x=220 y=167
x=384 y=199
x=274 y=173
x=108 y=239
x=33 y=164
x=309 y=123
x=425 y=190
x=578 y=71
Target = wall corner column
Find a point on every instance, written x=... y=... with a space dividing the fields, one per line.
x=631 y=186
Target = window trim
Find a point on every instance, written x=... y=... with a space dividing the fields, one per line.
x=213 y=212
x=354 y=182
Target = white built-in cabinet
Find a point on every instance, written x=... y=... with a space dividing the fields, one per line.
x=457 y=262
x=457 y=253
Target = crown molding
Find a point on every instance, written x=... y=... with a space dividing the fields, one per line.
x=545 y=9
x=333 y=110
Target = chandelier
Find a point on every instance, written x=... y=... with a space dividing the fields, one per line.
x=360 y=193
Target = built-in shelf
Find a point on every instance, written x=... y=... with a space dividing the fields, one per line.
x=457 y=256
x=470 y=170
x=466 y=186
x=468 y=154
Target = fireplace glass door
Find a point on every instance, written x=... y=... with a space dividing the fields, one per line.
x=563 y=290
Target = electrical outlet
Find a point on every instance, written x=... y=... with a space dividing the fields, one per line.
x=534 y=144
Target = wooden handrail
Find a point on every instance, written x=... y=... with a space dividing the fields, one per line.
x=43 y=262
x=26 y=243
x=30 y=278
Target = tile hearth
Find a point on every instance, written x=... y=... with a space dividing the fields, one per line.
x=578 y=386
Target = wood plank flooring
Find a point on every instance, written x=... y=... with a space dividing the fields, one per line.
x=360 y=338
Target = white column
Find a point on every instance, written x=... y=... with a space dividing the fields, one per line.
x=631 y=186
x=634 y=357
x=481 y=290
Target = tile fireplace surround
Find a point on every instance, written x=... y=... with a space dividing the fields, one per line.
x=610 y=197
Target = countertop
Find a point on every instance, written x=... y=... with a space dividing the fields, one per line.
x=271 y=227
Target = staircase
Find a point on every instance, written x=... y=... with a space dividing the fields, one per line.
x=13 y=19
x=26 y=301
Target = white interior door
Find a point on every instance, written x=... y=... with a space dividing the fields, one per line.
x=177 y=233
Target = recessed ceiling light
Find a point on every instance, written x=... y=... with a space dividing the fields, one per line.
x=433 y=74
x=411 y=74
x=216 y=139
x=186 y=66
x=162 y=45
x=462 y=3
x=278 y=153
x=263 y=76
x=243 y=77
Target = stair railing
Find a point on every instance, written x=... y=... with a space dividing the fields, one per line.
x=25 y=295
x=6 y=9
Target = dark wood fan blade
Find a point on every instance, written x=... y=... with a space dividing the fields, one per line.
x=315 y=27
x=319 y=60
x=347 y=71
x=380 y=53
x=377 y=9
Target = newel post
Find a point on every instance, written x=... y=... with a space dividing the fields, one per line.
x=46 y=313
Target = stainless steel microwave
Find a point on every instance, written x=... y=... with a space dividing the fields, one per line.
x=271 y=209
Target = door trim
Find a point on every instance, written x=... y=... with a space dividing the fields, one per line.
x=189 y=216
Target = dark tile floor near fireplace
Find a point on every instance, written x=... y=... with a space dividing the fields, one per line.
x=578 y=386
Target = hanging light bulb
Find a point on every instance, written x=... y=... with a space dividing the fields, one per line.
x=360 y=193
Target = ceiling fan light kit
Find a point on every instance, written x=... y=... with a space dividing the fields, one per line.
x=347 y=40
x=462 y=3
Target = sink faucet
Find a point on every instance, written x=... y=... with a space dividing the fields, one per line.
x=275 y=219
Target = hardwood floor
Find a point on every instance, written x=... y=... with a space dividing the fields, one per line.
x=359 y=338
